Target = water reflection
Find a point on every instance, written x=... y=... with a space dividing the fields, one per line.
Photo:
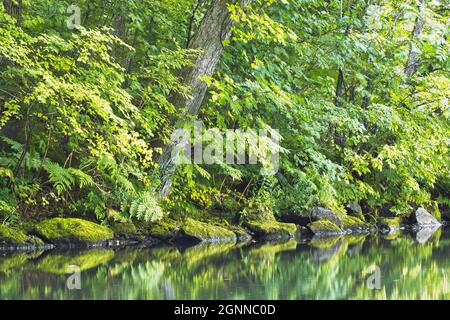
x=412 y=267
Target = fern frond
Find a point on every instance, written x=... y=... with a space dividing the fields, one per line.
x=61 y=178
x=15 y=145
x=145 y=207
x=84 y=180
x=205 y=174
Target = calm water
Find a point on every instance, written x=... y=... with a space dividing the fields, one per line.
x=338 y=268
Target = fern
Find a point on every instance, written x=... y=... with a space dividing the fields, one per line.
x=61 y=178
x=8 y=206
x=16 y=146
x=205 y=174
x=84 y=180
x=123 y=182
x=145 y=207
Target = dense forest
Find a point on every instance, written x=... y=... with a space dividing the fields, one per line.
x=356 y=92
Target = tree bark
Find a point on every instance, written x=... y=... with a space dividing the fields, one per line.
x=414 y=52
x=14 y=10
x=339 y=88
x=214 y=28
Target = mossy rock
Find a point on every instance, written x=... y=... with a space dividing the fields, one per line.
x=17 y=237
x=389 y=224
x=272 y=229
x=314 y=214
x=71 y=230
x=11 y=236
x=355 y=225
x=204 y=232
x=324 y=228
x=124 y=229
x=164 y=229
x=241 y=234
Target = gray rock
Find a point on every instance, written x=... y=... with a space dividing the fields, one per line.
x=424 y=219
x=325 y=228
x=320 y=213
x=354 y=208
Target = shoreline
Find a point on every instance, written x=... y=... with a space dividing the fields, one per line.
x=302 y=235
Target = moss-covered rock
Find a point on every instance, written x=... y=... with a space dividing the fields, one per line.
x=241 y=234
x=164 y=229
x=271 y=229
x=313 y=214
x=71 y=230
x=355 y=225
x=389 y=224
x=324 y=228
x=319 y=213
x=354 y=209
x=204 y=232
x=124 y=229
x=16 y=237
x=12 y=236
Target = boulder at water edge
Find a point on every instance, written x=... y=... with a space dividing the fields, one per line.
x=423 y=218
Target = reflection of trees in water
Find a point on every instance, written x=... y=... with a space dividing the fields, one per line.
x=333 y=268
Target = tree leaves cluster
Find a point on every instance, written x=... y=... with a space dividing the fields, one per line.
x=85 y=113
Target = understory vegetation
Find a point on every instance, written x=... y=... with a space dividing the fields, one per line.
x=358 y=91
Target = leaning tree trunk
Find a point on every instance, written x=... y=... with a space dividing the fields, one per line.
x=214 y=28
x=414 y=52
x=14 y=9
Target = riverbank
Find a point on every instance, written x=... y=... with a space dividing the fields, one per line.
x=318 y=222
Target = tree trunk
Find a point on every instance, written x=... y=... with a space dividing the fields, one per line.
x=413 y=57
x=214 y=28
x=339 y=88
x=14 y=10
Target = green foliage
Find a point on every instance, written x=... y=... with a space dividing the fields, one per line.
x=145 y=207
x=78 y=107
x=85 y=112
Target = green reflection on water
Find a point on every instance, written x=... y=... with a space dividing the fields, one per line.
x=333 y=268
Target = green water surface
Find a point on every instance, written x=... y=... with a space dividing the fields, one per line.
x=351 y=267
